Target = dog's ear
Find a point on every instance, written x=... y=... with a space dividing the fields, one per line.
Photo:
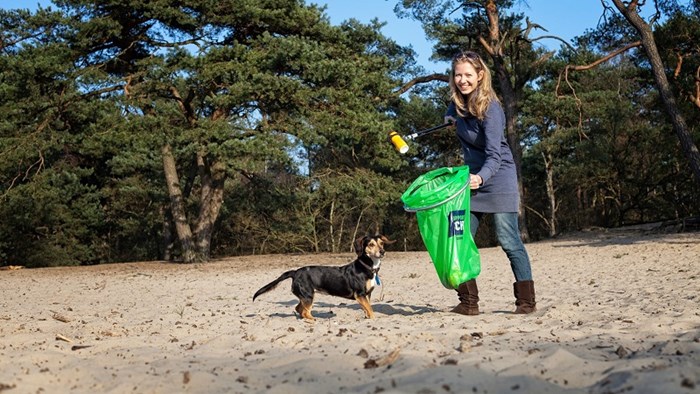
x=386 y=240
x=360 y=245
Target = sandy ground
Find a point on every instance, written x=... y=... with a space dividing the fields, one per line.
x=618 y=312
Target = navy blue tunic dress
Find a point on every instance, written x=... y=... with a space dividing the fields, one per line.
x=487 y=153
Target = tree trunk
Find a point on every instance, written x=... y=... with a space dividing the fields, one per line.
x=331 y=229
x=494 y=47
x=679 y=126
x=177 y=206
x=551 y=193
x=510 y=109
x=168 y=239
x=212 y=177
x=341 y=231
x=357 y=229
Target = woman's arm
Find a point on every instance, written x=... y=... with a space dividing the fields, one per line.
x=494 y=125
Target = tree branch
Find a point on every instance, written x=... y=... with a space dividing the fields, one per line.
x=695 y=99
x=541 y=216
x=486 y=46
x=568 y=67
x=164 y=44
x=591 y=65
x=677 y=71
x=494 y=32
x=542 y=59
x=99 y=92
x=428 y=78
x=184 y=105
x=553 y=37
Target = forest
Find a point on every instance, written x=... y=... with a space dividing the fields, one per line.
x=187 y=130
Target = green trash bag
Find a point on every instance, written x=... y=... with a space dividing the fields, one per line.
x=440 y=199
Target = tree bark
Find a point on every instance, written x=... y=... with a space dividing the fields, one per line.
x=494 y=46
x=212 y=177
x=177 y=206
x=551 y=193
x=331 y=228
x=649 y=44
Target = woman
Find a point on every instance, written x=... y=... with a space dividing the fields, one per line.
x=478 y=116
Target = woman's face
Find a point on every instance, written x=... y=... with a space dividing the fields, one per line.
x=466 y=77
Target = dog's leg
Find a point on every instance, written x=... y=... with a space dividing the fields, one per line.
x=365 y=305
x=302 y=288
x=304 y=308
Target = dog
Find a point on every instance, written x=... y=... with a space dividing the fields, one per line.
x=355 y=280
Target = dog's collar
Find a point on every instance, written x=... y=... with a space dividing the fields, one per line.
x=368 y=266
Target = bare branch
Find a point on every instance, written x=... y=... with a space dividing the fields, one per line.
x=12 y=184
x=657 y=14
x=556 y=38
x=605 y=58
x=127 y=87
x=530 y=26
x=486 y=46
x=185 y=105
x=677 y=71
x=164 y=44
x=428 y=78
x=102 y=91
x=503 y=40
x=541 y=216
x=606 y=9
x=542 y=59
x=178 y=98
x=40 y=165
x=526 y=34
x=568 y=67
x=469 y=4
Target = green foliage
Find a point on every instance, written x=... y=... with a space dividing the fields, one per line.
x=53 y=226
x=238 y=88
x=325 y=212
x=616 y=159
x=288 y=117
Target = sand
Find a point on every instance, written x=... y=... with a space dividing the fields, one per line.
x=617 y=312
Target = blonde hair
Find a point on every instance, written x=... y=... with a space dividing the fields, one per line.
x=477 y=102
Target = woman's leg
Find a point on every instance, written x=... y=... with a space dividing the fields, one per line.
x=474 y=218
x=508 y=234
x=468 y=292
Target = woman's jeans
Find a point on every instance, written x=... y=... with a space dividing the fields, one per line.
x=508 y=234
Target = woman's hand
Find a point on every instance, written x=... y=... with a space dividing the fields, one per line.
x=450 y=119
x=475 y=181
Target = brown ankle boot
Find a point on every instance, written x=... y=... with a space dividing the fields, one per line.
x=524 y=296
x=468 y=295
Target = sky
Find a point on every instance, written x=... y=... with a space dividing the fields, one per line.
x=553 y=15
x=563 y=18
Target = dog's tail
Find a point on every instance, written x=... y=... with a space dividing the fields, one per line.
x=274 y=283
